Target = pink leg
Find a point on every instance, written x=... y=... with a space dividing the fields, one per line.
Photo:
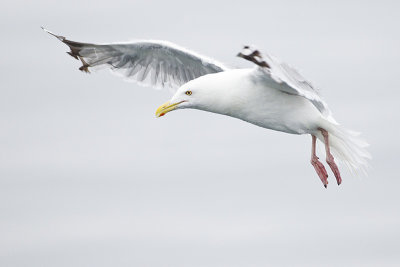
x=318 y=166
x=329 y=158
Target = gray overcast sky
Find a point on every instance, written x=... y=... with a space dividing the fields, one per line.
x=89 y=177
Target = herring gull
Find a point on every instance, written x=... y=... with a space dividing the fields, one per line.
x=272 y=95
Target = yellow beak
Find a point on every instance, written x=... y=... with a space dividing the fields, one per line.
x=165 y=108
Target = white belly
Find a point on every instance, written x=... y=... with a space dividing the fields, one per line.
x=275 y=110
x=253 y=101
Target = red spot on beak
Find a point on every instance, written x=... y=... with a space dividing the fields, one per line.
x=162 y=114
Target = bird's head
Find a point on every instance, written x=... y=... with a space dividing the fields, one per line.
x=183 y=98
x=194 y=94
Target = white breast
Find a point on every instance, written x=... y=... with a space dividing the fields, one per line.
x=238 y=93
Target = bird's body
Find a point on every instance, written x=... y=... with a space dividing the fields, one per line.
x=272 y=95
x=244 y=94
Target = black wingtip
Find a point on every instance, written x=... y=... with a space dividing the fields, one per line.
x=254 y=56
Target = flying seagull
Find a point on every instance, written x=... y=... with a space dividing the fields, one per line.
x=272 y=95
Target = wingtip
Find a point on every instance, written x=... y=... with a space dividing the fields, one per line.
x=242 y=53
x=43 y=28
x=252 y=54
x=59 y=37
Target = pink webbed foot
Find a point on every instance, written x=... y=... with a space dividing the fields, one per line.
x=320 y=169
x=331 y=162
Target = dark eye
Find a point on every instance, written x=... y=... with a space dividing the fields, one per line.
x=188 y=93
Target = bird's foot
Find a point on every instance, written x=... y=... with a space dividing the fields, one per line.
x=331 y=162
x=320 y=169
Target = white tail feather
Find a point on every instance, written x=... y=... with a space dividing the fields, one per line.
x=347 y=147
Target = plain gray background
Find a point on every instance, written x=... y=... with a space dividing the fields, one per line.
x=89 y=177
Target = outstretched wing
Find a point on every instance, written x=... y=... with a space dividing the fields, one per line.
x=290 y=79
x=153 y=63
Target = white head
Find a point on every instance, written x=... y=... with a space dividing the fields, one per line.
x=200 y=93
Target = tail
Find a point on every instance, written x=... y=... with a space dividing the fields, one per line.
x=347 y=147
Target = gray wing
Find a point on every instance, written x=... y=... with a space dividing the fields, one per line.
x=153 y=63
x=289 y=78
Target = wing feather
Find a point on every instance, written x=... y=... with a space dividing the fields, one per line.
x=288 y=78
x=154 y=63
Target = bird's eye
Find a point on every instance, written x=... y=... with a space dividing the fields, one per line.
x=188 y=93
